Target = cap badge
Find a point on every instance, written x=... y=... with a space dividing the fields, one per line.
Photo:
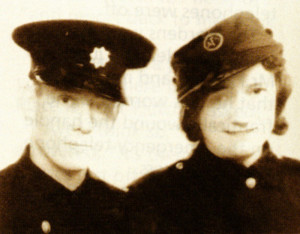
x=99 y=57
x=213 y=41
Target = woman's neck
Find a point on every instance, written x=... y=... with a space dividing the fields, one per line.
x=248 y=161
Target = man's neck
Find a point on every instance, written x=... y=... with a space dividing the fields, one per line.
x=71 y=179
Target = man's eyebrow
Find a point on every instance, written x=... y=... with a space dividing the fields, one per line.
x=64 y=92
x=73 y=95
x=101 y=100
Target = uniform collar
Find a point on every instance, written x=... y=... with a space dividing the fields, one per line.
x=42 y=181
x=202 y=160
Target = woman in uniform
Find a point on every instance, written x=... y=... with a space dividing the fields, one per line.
x=232 y=87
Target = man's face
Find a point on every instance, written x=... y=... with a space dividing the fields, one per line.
x=70 y=126
x=239 y=117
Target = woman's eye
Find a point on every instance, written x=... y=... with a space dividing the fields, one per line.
x=258 y=90
x=218 y=97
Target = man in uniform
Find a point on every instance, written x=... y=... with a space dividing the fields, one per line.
x=76 y=68
x=232 y=87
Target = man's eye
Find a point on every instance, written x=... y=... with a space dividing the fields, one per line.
x=101 y=106
x=65 y=99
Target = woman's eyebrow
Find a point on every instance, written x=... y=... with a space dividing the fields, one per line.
x=218 y=87
x=256 y=84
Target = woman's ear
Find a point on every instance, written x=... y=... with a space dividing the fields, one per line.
x=189 y=123
x=280 y=126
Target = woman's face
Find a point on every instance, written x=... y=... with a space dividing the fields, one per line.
x=239 y=117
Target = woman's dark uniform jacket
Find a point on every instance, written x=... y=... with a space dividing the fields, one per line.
x=33 y=202
x=206 y=194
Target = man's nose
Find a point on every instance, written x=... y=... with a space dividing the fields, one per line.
x=84 y=121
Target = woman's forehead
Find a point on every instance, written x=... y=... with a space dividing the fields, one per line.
x=256 y=74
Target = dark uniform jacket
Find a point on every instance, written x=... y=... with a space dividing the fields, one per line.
x=207 y=194
x=32 y=202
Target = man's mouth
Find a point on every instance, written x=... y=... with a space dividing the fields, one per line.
x=78 y=144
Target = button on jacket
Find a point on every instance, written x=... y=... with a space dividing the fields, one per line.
x=207 y=194
x=33 y=202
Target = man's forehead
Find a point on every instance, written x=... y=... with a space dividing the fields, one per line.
x=77 y=93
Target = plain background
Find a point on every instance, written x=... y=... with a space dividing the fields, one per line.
x=148 y=135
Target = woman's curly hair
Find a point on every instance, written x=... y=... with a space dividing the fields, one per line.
x=190 y=111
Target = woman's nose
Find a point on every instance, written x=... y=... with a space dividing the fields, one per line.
x=240 y=123
x=240 y=111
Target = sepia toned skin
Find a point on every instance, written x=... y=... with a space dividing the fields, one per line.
x=68 y=128
x=239 y=117
x=229 y=183
x=232 y=94
x=77 y=68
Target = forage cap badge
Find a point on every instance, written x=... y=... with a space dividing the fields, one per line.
x=213 y=41
x=99 y=57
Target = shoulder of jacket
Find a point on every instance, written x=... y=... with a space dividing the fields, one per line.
x=8 y=171
x=159 y=178
x=8 y=174
x=283 y=168
x=100 y=186
x=7 y=181
x=289 y=163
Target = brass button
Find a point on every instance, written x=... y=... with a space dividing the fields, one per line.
x=46 y=227
x=179 y=165
x=250 y=182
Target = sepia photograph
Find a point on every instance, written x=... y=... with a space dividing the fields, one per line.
x=150 y=116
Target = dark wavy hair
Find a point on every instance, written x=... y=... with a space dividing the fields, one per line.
x=190 y=111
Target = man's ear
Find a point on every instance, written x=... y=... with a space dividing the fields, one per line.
x=38 y=88
x=28 y=103
x=116 y=110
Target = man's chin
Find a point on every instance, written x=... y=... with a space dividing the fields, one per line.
x=73 y=160
x=72 y=166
